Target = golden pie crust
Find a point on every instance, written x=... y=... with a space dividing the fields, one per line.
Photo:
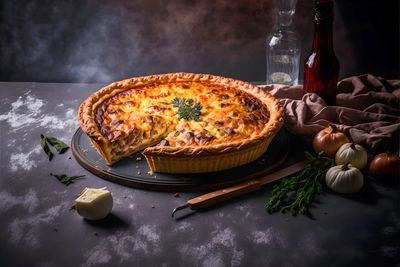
x=237 y=122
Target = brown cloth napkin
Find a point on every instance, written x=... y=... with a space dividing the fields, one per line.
x=367 y=110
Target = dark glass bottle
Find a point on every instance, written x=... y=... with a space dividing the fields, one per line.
x=321 y=68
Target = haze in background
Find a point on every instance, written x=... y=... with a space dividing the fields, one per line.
x=103 y=41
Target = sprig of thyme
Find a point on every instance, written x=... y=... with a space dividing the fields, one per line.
x=187 y=108
x=295 y=194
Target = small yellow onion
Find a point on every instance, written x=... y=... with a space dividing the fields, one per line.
x=353 y=153
x=344 y=178
x=329 y=140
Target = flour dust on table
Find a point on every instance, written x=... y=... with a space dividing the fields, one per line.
x=209 y=254
x=28 y=201
x=28 y=112
x=23 y=160
x=26 y=230
x=145 y=240
x=26 y=115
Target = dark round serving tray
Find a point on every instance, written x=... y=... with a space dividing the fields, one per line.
x=134 y=171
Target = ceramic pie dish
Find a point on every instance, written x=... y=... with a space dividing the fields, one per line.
x=182 y=122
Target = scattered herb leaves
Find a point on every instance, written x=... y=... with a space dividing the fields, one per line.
x=46 y=147
x=47 y=141
x=67 y=180
x=296 y=193
x=59 y=145
x=187 y=108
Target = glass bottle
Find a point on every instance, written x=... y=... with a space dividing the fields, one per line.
x=283 y=46
x=321 y=67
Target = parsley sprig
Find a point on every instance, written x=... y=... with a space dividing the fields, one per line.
x=187 y=108
x=295 y=194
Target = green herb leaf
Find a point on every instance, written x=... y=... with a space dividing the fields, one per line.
x=59 y=145
x=296 y=193
x=47 y=141
x=45 y=146
x=67 y=180
x=187 y=108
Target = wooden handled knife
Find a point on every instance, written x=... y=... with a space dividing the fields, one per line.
x=221 y=195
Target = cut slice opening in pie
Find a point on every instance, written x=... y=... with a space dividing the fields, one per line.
x=183 y=122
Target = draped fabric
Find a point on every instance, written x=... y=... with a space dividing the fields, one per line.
x=367 y=110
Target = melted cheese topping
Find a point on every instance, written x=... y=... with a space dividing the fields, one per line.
x=146 y=115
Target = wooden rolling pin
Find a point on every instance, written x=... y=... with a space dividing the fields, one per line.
x=218 y=196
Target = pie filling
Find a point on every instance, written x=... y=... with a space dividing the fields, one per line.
x=149 y=115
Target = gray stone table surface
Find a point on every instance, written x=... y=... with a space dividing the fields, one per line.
x=39 y=229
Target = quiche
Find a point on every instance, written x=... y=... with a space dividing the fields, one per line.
x=182 y=122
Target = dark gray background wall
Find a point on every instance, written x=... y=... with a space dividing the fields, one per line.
x=102 y=41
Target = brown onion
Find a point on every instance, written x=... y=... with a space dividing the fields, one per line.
x=385 y=164
x=329 y=140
